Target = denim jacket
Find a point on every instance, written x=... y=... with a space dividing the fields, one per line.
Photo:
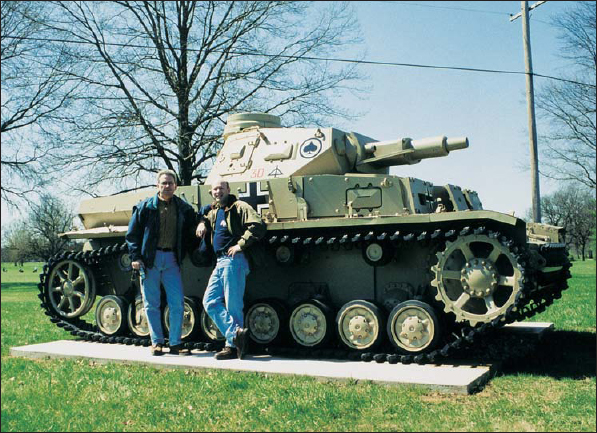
x=144 y=226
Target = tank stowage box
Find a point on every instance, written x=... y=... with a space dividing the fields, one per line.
x=359 y=263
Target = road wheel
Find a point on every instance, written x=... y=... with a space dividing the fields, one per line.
x=311 y=323
x=110 y=315
x=190 y=318
x=137 y=319
x=361 y=325
x=266 y=320
x=209 y=328
x=413 y=327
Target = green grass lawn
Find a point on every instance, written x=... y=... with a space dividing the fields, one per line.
x=552 y=390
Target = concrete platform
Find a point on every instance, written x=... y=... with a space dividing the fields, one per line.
x=537 y=329
x=462 y=379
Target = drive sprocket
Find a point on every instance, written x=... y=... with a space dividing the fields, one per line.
x=478 y=278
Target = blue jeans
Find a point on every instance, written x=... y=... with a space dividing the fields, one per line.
x=223 y=298
x=165 y=271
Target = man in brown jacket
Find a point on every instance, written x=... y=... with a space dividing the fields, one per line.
x=235 y=229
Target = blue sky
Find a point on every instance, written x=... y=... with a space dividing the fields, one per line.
x=488 y=108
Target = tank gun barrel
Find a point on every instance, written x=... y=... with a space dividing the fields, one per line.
x=407 y=151
x=257 y=147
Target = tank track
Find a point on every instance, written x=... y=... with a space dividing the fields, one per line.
x=528 y=302
x=88 y=331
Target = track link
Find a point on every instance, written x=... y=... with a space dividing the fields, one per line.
x=528 y=302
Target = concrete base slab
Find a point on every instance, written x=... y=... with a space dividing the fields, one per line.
x=537 y=329
x=462 y=378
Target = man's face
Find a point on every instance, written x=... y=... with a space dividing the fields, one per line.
x=220 y=191
x=166 y=186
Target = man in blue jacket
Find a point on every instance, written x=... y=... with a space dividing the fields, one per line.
x=158 y=235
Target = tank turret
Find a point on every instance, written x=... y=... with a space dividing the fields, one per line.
x=358 y=261
x=257 y=147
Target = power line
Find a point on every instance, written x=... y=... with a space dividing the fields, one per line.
x=325 y=59
x=447 y=7
x=455 y=9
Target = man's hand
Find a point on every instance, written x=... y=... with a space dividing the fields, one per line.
x=233 y=250
x=200 y=230
x=137 y=264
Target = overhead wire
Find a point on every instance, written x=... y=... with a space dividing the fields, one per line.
x=326 y=59
x=446 y=7
x=480 y=11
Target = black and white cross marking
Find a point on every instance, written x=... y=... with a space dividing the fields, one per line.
x=254 y=196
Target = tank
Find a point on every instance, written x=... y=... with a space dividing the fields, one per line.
x=360 y=264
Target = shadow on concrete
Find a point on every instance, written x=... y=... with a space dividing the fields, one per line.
x=559 y=354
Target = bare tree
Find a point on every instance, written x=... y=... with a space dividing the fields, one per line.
x=573 y=208
x=569 y=106
x=15 y=243
x=37 y=236
x=161 y=78
x=34 y=91
x=46 y=220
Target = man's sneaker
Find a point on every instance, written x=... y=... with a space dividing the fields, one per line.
x=157 y=350
x=179 y=349
x=240 y=341
x=226 y=353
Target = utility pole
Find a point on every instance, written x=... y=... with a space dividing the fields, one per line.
x=528 y=66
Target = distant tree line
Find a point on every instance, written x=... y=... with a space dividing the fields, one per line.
x=573 y=208
x=36 y=238
x=568 y=146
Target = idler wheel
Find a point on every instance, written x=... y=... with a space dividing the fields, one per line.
x=70 y=289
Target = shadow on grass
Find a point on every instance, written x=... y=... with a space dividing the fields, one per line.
x=19 y=285
x=559 y=354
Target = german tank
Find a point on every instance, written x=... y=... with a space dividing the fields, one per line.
x=360 y=263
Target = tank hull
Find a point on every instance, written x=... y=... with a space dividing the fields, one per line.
x=379 y=263
x=358 y=263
